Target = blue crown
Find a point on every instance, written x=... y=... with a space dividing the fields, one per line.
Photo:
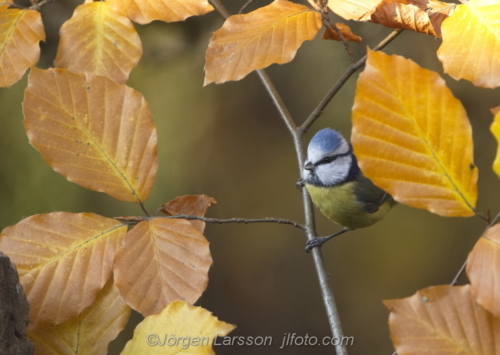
x=327 y=140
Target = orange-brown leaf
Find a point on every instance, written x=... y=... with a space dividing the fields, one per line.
x=194 y=328
x=145 y=11
x=160 y=261
x=93 y=131
x=443 y=318
x=270 y=34
x=412 y=136
x=418 y=15
x=483 y=270
x=63 y=259
x=331 y=34
x=20 y=33
x=99 y=41
x=90 y=332
x=471 y=38
x=196 y=205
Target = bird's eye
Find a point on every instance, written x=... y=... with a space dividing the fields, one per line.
x=327 y=160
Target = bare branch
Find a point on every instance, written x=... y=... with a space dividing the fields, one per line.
x=342 y=80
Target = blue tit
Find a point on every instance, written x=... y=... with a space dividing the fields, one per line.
x=337 y=186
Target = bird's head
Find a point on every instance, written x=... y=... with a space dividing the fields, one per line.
x=330 y=160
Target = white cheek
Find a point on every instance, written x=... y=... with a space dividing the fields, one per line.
x=335 y=172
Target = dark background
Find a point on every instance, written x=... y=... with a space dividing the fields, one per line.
x=228 y=141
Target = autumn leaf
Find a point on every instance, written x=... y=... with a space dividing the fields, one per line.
x=470 y=41
x=412 y=137
x=94 y=132
x=179 y=329
x=483 y=270
x=20 y=34
x=270 y=34
x=63 y=259
x=88 y=333
x=99 y=41
x=196 y=205
x=162 y=260
x=444 y=318
x=145 y=11
x=418 y=15
x=495 y=129
x=330 y=33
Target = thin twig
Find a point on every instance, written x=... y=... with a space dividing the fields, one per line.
x=135 y=220
x=327 y=21
x=245 y=6
x=342 y=80
x=462 y=268
x=38 y=5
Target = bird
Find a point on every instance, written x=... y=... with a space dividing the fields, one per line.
x=338 y=187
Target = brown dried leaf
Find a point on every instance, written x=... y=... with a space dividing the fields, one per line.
x=196 y=205
x=20 y=33
x=160 y=261
x=483 y=270
x=186 y=322
x=145 y=11
x=446 y=319
x=63 y=259
x=270 y=34
x=90 y=332
x=331 y=34
x=93 y=131
x=99 y=41
x=423 y=16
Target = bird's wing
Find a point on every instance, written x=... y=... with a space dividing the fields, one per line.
x=370 y=196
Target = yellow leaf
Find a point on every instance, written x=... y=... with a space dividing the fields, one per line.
x=63 y=259
x=495 y=129
x=412 y=136
x=90 y=332
x=470 y=41
x=189 y=205
x=162 y=260
x=418 y=15
x=20 y=32
x=94 y=132
x=99 y=41
x=483 y=270
x=179 y=329
x=270 y=34
x=145 y=11
x=446 y=319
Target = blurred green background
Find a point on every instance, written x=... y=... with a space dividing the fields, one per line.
x=228 y=141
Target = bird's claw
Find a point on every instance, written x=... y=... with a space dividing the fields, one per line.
x=315 y=242
x=299 y=184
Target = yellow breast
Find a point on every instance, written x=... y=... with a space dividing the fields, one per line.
x=339 y=204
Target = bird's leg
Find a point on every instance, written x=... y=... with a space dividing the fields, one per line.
x=317 y=242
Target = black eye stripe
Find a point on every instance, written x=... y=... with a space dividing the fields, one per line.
x=331 y=158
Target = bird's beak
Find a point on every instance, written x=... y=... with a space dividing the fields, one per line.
x=309 y=166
